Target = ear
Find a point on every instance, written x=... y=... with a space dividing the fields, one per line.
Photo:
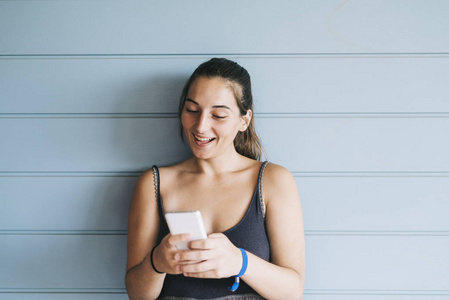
x=246 y=119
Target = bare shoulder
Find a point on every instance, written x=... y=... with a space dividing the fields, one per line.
x=145 y=185
x=146 y=176
x=279 y=184
x=144 y=198
x=276 y=176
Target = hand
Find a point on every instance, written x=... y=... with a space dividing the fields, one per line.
x=214 y=257
x=164 y=253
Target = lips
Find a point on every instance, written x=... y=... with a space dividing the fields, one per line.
x=202 y=141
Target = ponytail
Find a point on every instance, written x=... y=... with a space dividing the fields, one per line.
x=248 y=144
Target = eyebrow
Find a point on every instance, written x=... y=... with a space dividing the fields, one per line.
x=215 y=106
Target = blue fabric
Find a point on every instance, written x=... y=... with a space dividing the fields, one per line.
x=249 y=234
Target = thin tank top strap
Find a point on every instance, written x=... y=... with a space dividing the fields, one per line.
x=260 y=186
x=157 y=189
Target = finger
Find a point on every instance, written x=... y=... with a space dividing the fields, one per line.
x=193 y=255
x=206 y=274
x=188 y=262
x=209 y=271
x=206 y=244
x=196 y=268
x=178 y=238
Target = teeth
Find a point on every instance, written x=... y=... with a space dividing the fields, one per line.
x=203 y=139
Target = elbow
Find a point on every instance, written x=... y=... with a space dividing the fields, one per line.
x=136 y=291
x=301 y=286
x=298 y=292
x=293 y=288
x=130 y=289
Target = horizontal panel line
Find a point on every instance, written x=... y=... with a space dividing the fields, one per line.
x=68 y=174
x=377 y=292
x=374 y=233
x=306 y=291
x=355 y=115
x=63 y=232
x=258 y=115
x=294 y=173
x=63 y=291
x=234 y=55
x=86 y=115
x=307 y=232
x=371 y=174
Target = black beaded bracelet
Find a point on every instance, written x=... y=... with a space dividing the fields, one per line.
x=152 y=263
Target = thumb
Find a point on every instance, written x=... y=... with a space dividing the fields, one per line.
x=178 y=238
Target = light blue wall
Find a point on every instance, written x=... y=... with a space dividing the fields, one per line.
x=351 y=96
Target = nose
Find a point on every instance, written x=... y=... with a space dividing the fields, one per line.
x=202 y=124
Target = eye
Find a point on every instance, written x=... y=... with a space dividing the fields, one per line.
x=219 y=117
x=191 y=110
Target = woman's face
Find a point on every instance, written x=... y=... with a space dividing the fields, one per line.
x=211 y=118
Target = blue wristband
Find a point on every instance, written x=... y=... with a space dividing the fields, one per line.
x=236 y=283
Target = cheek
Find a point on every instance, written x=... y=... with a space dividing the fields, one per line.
x=227 y=129
x=185 y=121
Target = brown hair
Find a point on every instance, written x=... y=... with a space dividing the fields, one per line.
x=247 y=143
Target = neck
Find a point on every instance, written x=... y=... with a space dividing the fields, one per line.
x=218 y=165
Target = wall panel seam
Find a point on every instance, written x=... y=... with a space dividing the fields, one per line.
x=376 y=292
x=297 y=174
x=279 y=115
x=307 y=291
x=334 y=233
x=232 y=55
x=63 y=291
x=63 y=232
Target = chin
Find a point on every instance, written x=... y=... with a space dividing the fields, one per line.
x=201 y=154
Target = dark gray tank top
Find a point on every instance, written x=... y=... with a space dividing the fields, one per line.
x=249 y=234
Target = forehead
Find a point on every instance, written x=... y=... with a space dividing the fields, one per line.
x=211 y=91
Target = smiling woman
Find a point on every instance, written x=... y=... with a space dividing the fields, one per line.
x=212 y=121
x=235 y=80
x=254 y=234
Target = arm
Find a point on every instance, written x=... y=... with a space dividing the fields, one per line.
x=283 y=277
x=141 y=281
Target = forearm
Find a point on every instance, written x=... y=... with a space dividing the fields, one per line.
x=272 y=281
x=142 y=282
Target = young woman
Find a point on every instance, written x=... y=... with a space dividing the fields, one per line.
x=251 y=210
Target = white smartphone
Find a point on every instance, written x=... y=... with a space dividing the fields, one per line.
x=186 y=222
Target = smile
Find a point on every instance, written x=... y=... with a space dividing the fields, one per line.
x=203 y=139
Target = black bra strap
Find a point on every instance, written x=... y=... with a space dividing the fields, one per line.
x=157 y=185
x=260 y=182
